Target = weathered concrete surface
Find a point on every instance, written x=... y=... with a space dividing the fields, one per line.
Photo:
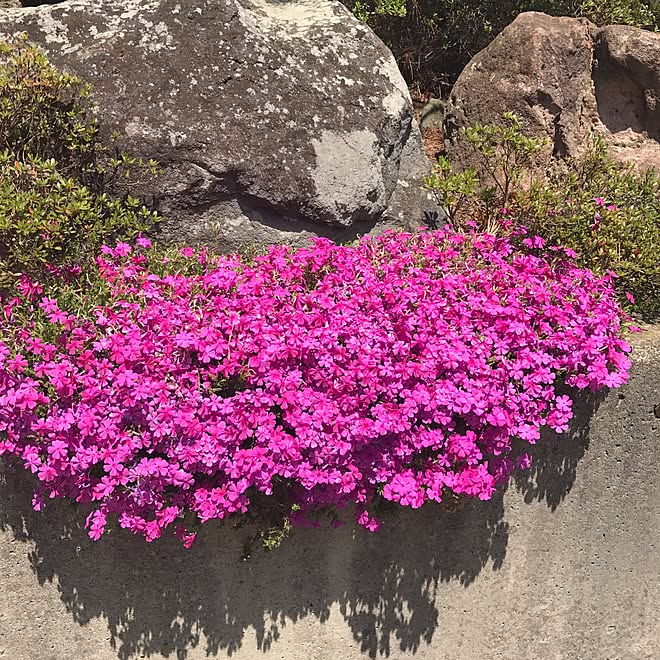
x=272 y=120
x=565 y=566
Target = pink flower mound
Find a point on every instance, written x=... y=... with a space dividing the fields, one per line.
x=403 y=367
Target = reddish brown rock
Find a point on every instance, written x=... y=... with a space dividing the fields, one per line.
x=565 y=78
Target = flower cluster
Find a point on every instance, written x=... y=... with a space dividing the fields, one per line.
x=406 y=367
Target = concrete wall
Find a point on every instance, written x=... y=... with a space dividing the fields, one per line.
x=564 y=565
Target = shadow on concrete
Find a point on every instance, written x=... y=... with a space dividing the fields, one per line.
x=160 y=599
x=37 y=3
x=555 y=458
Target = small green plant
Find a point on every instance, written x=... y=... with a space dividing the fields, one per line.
x=50 y=222
x=505 y=154
x=453 y=191
x=606 y=212
x=272 y=538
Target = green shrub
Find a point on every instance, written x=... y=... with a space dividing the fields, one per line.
x=433 y=40
x=506 y=154
x=49 y=221
x=606 y=212
x=504 y=157
x=54 y=172
x=609 y=214
x=43 y=112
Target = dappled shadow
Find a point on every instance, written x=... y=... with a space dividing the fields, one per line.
x=37 y=3
x=160 y=599
x=556 y=457
x=163 y=599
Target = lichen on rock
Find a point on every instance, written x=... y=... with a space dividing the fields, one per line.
x=271 y=120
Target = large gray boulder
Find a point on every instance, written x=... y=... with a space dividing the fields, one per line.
x=271 y=119
x=566 y=78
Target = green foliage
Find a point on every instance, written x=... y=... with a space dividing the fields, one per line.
x=624 y=12
x=54 y=213
x=49 y=221
x=608 y=213
x=433 y=40
x=505 y=153
x=452 y=190
x=365 y=9
x=43 y=112
x=272 y=538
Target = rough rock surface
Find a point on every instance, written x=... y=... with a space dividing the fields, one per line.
x=272 y=120
x=566 y=78
x=627 y=90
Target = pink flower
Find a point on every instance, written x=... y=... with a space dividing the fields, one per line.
x=403 y=367
x=17 y=364
x=534 y=242
x=364 y=519
x=58 y=449
x=524 y=462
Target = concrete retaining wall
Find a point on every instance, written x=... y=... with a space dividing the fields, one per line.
x=564 y=565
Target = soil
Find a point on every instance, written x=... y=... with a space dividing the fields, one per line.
x=434 y=143
x=432 y=138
